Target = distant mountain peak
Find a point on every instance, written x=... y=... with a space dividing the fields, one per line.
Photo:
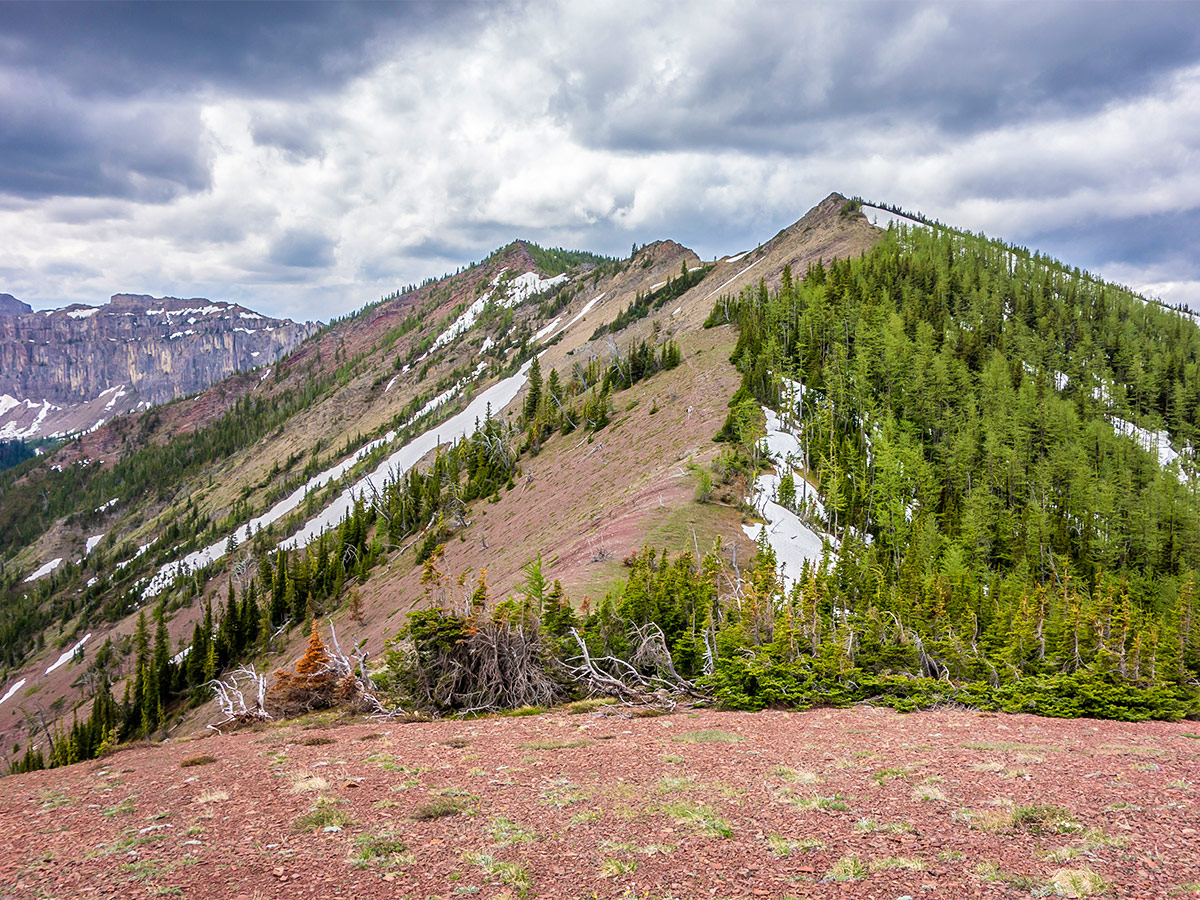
x=11 y=306
x=59 y=368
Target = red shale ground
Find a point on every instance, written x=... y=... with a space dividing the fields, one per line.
x=693 y=804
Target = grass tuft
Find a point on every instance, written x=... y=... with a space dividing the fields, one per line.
x=196 y=761
x=708 y=736
x=700 y=818
x=1077 y=883
x=325 y=814
x=1042 y=818
x=443 y=807
x=614 y=868
x=309 y=784
x=579 y=707
x=554 y=745
x=505 y=832
x=385 y=849
x=846 y=869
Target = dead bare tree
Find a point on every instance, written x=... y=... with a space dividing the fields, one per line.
x=647 y=677
x=562 y=410
x=354 y=680
x=598 y=552
x=231 y=698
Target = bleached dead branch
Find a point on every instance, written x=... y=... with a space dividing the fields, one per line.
x=231 y=697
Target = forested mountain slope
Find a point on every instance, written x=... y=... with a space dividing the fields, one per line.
x=979 y=477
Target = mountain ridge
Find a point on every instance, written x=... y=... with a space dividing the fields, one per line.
x=615 y=463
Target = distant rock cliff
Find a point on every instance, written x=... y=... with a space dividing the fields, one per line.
x=70 y=369
x=11 y=306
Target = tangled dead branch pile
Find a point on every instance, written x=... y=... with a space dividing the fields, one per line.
x=472 y=664
x=647 y=677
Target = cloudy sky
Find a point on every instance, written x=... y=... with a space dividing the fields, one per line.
x=306 y=159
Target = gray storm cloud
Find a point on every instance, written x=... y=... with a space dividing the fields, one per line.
x=169 y=145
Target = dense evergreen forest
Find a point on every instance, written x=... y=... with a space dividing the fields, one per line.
x=13 y=452
x=961 y=413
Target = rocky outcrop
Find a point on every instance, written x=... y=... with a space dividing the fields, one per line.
x=67 y=369
x=11 y=306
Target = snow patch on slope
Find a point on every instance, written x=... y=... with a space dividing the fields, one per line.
x=518 y=290
x=45 y=570
x=882 y=218
x=498 y=396
x=793 y=541
x=1156 y=442
x=66 y=657
x=12 y=690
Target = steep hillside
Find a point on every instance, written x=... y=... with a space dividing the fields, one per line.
x=70 y=370
x=257 y=455
x=976 y=486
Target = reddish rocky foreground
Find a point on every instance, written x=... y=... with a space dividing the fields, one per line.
x=845 y=803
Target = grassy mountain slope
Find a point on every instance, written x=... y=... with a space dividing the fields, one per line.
x=186 y=474
x=970 y=422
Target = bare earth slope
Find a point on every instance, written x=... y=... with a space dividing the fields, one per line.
x=695 y=804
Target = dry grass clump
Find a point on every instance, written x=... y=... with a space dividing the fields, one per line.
x=309 y=784
x=196 y=761
x=708 y=736
x=1077 y=883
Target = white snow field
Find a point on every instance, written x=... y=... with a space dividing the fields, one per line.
x=793 y=541
x=12 y=690
x=45 y=569
x=498 y=395
x=67 y=654
x=882 y=218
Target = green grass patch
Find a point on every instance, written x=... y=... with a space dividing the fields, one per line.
x=505 y=832
x=699 y=818
x=1043 y=819
x=848 y=868
x=523 y=711
x=384 y=849
x=457 y=804
x=325 y=814
x=708 y=736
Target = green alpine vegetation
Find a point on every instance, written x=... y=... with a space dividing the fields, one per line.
x=962 y=413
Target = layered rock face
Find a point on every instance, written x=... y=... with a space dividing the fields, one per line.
x=11 y=306
x=67 y=369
